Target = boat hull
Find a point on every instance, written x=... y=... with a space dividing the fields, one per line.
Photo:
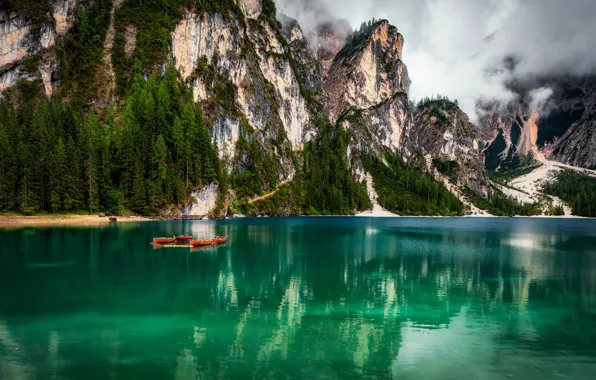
x=220 y=240
x=160 y=241
x=201 y=243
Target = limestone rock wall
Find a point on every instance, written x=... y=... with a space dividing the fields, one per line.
x=20 y=40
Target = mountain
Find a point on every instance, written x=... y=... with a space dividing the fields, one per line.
x=223 y=107
x=523 y=133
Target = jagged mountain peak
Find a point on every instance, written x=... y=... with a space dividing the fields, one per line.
x=367 y=70
x=381 y=32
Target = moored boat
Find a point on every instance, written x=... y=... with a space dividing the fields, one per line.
x=220 y=240
x=163 y=240
x=201 y=243
x=183 y=238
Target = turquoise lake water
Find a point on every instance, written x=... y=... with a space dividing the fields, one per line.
x=313 y=298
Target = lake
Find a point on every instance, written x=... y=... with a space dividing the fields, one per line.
x=315 y=298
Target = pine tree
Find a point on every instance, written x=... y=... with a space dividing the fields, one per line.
x=91 y=163
x=8 y=167
x=73 y=196
x=59 y=176
x=139 y=192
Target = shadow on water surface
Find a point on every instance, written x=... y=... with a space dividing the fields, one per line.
x=302 y=298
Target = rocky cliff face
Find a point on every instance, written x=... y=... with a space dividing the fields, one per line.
x=367 y=88
x=523 y=133
x=575 y=116
x=25 y=46
x=507 y=136
x=367 y=71
x=259 y=85
x=443 y=132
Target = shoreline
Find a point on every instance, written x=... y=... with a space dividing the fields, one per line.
x=22 y=221
x=18 y=221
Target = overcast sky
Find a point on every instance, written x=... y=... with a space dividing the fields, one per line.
x=446 y=49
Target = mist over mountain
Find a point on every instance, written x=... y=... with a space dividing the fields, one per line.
x=459 y=47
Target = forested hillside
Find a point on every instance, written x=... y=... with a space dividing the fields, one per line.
x=577 y=189
x=402 y=189
x=59 y=155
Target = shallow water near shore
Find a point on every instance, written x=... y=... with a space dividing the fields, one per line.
x=317 y=298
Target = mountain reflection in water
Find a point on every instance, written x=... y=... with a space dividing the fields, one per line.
x=302 y=298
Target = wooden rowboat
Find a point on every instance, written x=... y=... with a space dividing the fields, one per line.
x=220 y=240
x=163 y=240
x=183 y=238
x=201 y=243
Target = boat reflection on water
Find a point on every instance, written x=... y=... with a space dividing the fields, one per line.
x=304 y=298
x=208 y=248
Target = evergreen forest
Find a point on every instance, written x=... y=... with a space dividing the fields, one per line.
x=405 y=190
x=579 y=190
x=59 y=156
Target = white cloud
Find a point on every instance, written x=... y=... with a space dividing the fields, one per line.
x=446 y=48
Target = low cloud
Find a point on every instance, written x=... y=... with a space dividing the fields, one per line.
x=465 y=48
x=540 y=96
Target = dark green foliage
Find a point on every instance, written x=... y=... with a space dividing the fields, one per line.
x=30 y=65
x=324 y=185
x=358 y=38
x=514 y=167
x=406 y=190
x=82 y=49
x=269 y=9
x=286 y=201
x=329 y=186
x=556 y=210
x=223 y=7
x=224 y=90
x=447 y=168
x=151 y=154
x=155 y=20
x=440 y=102
x=500 y=205
x=256 y=168
x=38 y=11
x=579 y=190
x=438 y=107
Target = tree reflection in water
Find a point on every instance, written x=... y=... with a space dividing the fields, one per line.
x=312 y=298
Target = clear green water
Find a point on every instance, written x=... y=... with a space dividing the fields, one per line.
x=318 y=298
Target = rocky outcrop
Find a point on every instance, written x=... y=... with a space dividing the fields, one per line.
x=307 y=67
x=386 y=126
x=22 y=41
x=264 y=89
x=506 y=133
x=525 y=131
x=576 y=111
x=251 y=8
x=367 y=71
x=64 y=14
x=105 y=72
x=204 y=201
x=254 y=82
x=442 y=132
x=130 y=36
x=367 y=88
